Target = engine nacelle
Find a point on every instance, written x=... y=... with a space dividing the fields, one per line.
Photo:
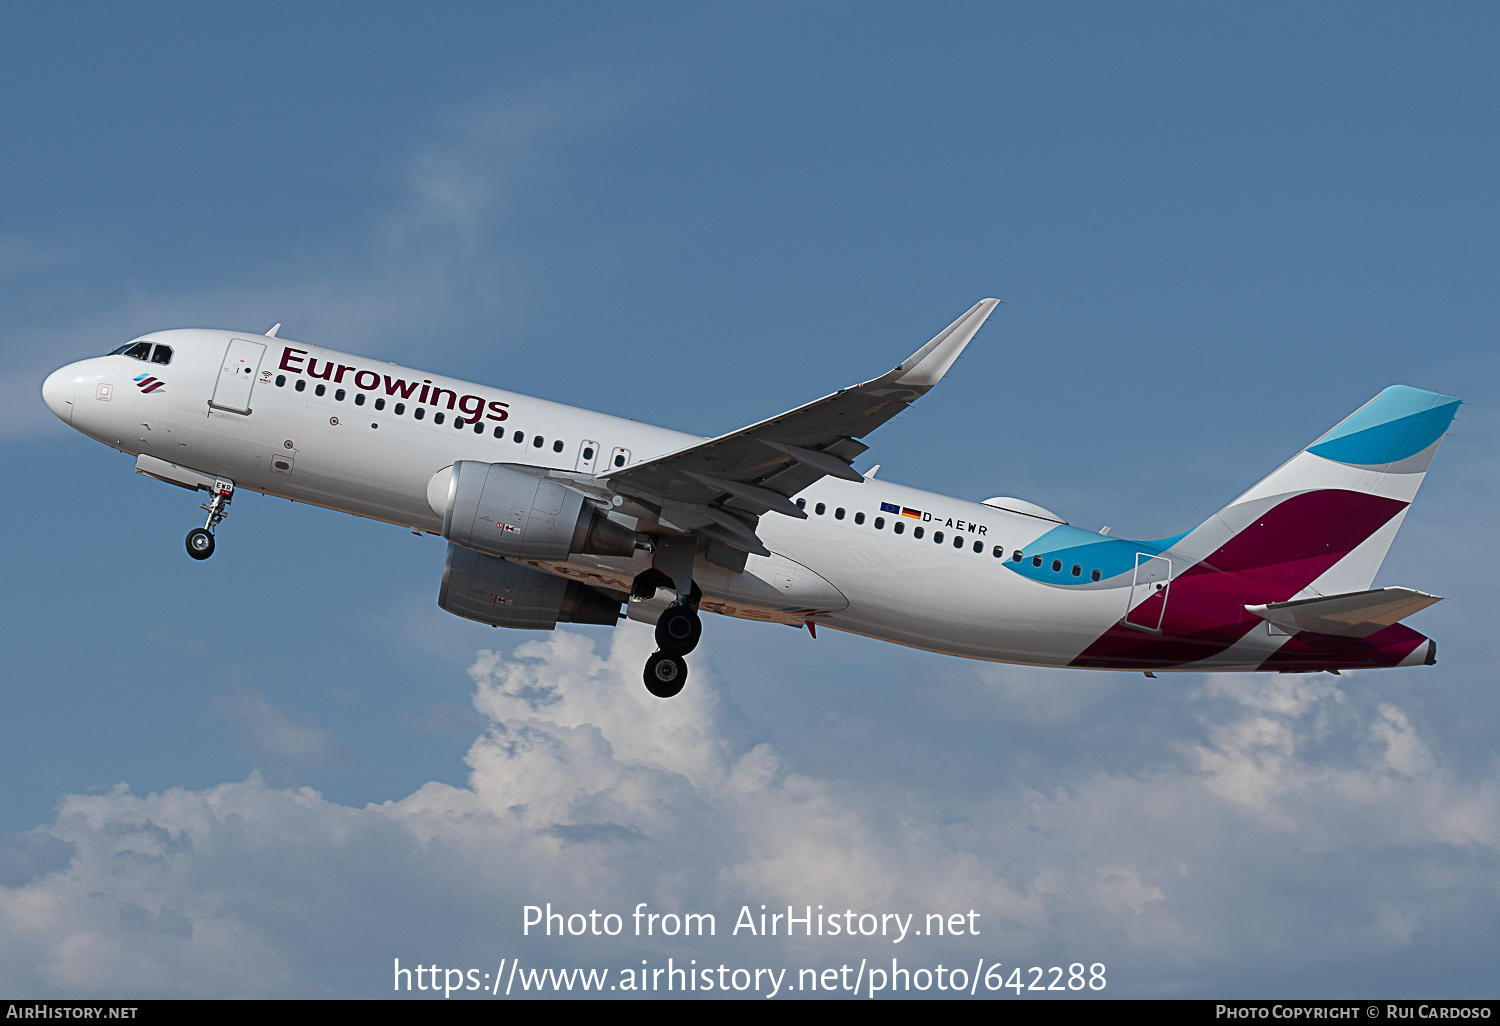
x=505 y=594
x=504 y=512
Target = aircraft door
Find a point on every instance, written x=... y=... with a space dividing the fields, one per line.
x=237 y=375
x=1148 y=593
x=619 y=458
x=588 y=456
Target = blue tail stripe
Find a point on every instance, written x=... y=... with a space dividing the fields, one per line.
x=1390 y=441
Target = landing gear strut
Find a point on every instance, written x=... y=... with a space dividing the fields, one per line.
x=200 y=540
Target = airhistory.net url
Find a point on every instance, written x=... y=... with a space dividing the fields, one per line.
x=511 y=978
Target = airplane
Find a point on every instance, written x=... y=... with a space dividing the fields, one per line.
x=555 y=514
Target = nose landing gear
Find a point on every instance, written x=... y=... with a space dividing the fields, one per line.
x=200 y=540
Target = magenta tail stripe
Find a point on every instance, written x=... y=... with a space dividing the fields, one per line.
x=1289 y=547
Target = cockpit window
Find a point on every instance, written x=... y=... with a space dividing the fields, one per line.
x=163 y=354
x=135 y=350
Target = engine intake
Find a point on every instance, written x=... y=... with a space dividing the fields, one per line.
x=505 y=594
x=504 y=512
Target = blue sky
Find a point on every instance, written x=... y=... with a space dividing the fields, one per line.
x=1217 y=229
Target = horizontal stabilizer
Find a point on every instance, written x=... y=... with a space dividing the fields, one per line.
x=1357 y=614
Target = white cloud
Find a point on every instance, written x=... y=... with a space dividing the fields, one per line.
x=1269 y=842
x=288 y=742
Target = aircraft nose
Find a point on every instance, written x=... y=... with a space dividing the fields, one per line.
x=57 y=392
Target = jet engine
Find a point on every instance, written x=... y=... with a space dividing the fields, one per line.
x=505 y=594
x=500 y=511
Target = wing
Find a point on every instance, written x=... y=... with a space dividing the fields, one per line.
x=722 y=486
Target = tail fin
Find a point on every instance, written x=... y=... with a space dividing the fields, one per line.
x=1324 y=521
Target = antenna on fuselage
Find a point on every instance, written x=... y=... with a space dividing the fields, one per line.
x=274 y=329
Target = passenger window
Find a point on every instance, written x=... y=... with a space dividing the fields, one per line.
x=801 y=503
x=1036 y=560
x=820 y=509
x=438 y=417
x=859 y=518
x=519 y=438
x=380 y=404
x=1077 y=570
x=1057 y=566
x=359 y=398
x=880 y=523
x=339 y=394
x=937 y=536
x=301 y=385
x=536 y=443
x=499 y=432
x=838 y=514
x=419 y=413
x=479 y=427
x=999 y=553
x=900 y=526
x=1016 y=558
x=281 y=381
x=557 y=446
x=162 y=355
x=139 y=351
x=458 y=423
x=320 y=389
x=619 y=459
x=917 y=532
x=1095 y=575
x=588 y=452
x=399 y=409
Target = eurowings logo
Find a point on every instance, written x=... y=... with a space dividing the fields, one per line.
x=147 y=383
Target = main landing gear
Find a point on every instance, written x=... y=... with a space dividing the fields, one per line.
x=677 y=633
x=200 y=540
x=666 y=673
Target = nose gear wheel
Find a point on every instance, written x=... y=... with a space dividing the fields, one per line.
x=200 y=543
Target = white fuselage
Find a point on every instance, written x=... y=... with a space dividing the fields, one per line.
x=938 y=584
